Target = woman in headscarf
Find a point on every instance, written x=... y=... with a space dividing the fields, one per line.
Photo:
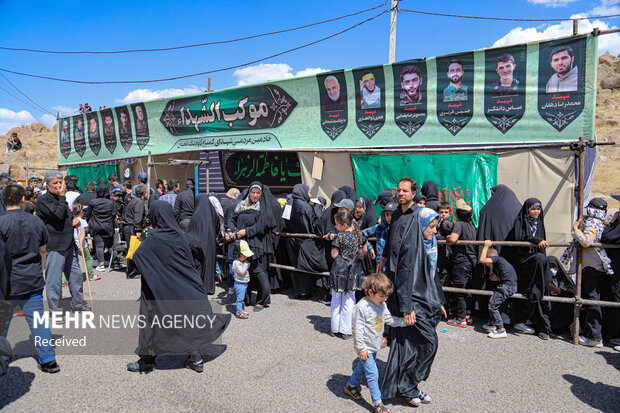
x=414 y=347
x=349 y=193
x=431 y=191
x=419 y=200
x=611 y=284
x=497 y=217
x=364 y=213
x=532 y=268
x=201 y=234
x=315 y=254
x=101 y=216
x=171 y=286
x=318 y=205
x=254 y=219
x=302 y=221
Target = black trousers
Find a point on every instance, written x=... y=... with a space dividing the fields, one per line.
x=101 y=243
x=461 y=274
x=591 y=315
x=259 y=281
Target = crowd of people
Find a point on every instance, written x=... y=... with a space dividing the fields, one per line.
x=388 y=267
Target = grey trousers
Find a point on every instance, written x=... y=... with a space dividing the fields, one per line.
x=56 y=263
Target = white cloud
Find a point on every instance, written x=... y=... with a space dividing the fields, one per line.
x=65 y=110
x=10 y=119
x=551 y=3
x=49 y=120
x=608 y=42
x=141 y=95
x=606 y=8
x=265 y=72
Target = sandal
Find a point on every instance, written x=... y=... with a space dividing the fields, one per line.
x=380 y=408
x=242 y=315
x=353 y=392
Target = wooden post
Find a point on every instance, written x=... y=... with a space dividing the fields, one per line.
x=579 y=252
x=575 y=27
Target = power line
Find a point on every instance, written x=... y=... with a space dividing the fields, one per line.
x=25 y=102
x=201 y=73
x=35 y=103
x=505 y=18
x=193 y=45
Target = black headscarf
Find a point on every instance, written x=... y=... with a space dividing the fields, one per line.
x=497 y=216
x=431 y=191
x=269 y=218
x=369 y=218
x=418 y=197
x=526 y=228
x=349 y=193
x=102 y=191
x=326 y=222
x=611 y=235
x=319 y=207
x=201 y=234
x=171 y=285
x=300 y=191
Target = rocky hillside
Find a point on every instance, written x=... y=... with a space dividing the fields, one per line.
x=40 y=142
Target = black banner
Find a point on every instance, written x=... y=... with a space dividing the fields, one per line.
x=561 y=80
x=65 y=138
x=109 y=131
x=410 y=98
x=369 y=99
x=124 y=127
x=142 y=124
x=333 y=102
x=79 y=142
x=504 y=86
x=455 y=91
x=278 y=170
x=94 y=138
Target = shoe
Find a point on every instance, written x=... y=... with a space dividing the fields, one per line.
x=117 y=267
x=617 y=348
x=140 y=366
x=100 y=268
x=85 y=309
x=258 y=308
x=498 y=334
x=231 y=291
x=95 y=277
x=615 y=341
x=19 y=313
x=198 y=368
x=332 y=334
x=65 y=284
x=354 y=392
x=50 y=367
x=458 y=323
x=584 y=341
x=346 y=336
x=325 y=302
x=544 y=336
x=525 y=329
x=470 y=321
x=422 y=398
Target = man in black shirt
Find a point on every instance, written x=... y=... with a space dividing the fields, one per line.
x=62 y=256
x=135 y=222
x=26 y=236
x=184 y=205
x=85 y=198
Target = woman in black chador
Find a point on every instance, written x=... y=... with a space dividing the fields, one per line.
x=302 y=221
x=532 y=268
x=202 y=237
x=255 y=219
x=171 y=286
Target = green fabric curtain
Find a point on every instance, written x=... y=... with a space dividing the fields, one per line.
x=94 y=173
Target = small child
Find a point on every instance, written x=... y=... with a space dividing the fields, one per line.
x=506 y=288
x=371 y=314
x=241 y=267
x=381 y=231
x=444 y=251
x=348 y=249
x=463 y=260
x=79 y=235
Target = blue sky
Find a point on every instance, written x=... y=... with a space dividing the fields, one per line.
x=121 y=25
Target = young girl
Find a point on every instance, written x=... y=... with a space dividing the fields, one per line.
x=348 y=249
x=79 y=234
x=240 y=267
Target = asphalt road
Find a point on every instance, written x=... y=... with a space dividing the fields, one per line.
x=283 y=360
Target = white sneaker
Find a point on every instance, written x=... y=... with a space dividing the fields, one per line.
x=422 y=398
x=523 y=328
x=617 y=348
x=584 y=341
x=615 y=341
x=100 y=268
x=498 y=334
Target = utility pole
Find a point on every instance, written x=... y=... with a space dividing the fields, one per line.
x=392 y=56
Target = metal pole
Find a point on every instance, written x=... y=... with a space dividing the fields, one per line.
x=579 y=253
x=575 y=27
x=196 y=181
x=208 y=183
x=26 y=169
x=392 y=56
x=148 y=178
